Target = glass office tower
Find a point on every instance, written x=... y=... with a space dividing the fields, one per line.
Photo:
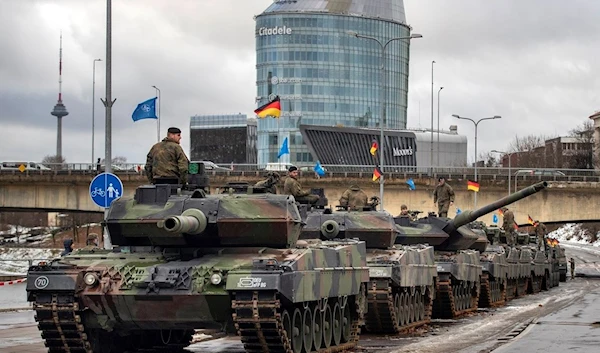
x=325 y=76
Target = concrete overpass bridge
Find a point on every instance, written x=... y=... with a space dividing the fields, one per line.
x=564 y=201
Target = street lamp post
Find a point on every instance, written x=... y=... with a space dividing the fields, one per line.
x=93 y=108
x=438 y=128
x=476 y=123
x=158 y=118
x=509 y=158
x=382 y=98
x=431 y=152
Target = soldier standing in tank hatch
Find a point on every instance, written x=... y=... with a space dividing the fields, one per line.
x=292 y=187
x=540 y=233
x=353 y=198
x=508 y=224
x=166 y=162
x=404 y=211
x=443 y=196
x=270 y=184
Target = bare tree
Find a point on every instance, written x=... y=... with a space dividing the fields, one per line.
x=529 y=150
x=53 y=162
x=488 y=159
x=581 y=155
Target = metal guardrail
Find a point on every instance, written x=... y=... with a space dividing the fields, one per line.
x=339 y=171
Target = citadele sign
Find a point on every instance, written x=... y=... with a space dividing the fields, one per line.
x=269 y=31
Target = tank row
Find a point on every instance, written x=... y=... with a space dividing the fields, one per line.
x=283 y=276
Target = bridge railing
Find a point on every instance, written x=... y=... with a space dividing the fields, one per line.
x=359 y=171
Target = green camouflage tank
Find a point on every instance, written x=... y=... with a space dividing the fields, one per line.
x=458 y=248
x=402 y=277
x=185 y=260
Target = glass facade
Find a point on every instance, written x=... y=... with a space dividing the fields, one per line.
x=223 y=139
x=325 y=76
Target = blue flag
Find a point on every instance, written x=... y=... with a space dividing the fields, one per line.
x=319 y=169
x=411 y=184
x=145 y=110
x=284 y=148
x=495 y=218
x=458 y=211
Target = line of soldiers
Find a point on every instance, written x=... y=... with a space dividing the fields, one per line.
x=353 y=198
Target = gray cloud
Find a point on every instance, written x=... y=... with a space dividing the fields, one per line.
x=533 y=62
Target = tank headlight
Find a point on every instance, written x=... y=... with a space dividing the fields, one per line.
x=90 y=278
x=216 y=279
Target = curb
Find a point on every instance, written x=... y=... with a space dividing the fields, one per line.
x=13 y=282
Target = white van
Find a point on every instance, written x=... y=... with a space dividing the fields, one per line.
x=27 y=165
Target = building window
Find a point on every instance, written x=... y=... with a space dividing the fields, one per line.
x=273 y=140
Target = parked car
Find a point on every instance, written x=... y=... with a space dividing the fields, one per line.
x=539 y=172
x=208 y=165
x=27 y=165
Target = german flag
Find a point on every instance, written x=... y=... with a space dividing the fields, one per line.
x=374 y=147
x=472 y=185
x=376 y=174
x=530 y=220
x=273 y=108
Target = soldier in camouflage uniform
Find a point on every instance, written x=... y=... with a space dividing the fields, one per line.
x=292 y=187
x=443 y=196
x=270 y=184
x=540 y=232
x=508 y=224
x=166 y=162
x=404 y=211
x=353 y=199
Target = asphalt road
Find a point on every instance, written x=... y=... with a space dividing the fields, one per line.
x=565 y=318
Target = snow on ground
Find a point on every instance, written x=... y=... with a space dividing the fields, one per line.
x=575 y=233
x=14 y=261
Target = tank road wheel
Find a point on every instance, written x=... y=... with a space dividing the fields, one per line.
x=346 y=323
x=286 y=322
x=327 y=326
x=307 y=329
x=297 y=336
x=317 y=327
x=398 y=309
x=413 y=308
x=421 y=307
x=337 y=324
x=406 y=306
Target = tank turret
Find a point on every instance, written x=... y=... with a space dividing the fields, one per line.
x=376 y=229
x=155 y=218
x=450 y=234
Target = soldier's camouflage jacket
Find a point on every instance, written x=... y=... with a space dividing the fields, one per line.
x=166 y=159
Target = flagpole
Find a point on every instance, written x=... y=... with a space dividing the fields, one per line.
x=158 y=117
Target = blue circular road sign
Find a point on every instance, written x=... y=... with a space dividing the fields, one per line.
x=105 y=188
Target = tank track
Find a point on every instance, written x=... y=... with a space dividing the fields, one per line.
x=384 y=314
x=259 y=320
x=535 y=284
x=517 y=288
x=493 y=293
x=59 y=320
x=453 y=300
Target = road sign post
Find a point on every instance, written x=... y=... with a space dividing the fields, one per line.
x=104 y=189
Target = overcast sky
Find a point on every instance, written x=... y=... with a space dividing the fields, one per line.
x=534 y=62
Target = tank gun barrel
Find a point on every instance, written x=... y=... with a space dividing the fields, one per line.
x=192 y=221
x=470 y=216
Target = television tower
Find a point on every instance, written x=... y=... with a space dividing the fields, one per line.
x=59 y=109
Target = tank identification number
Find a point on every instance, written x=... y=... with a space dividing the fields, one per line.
x=251 y=282
x=41 y=282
